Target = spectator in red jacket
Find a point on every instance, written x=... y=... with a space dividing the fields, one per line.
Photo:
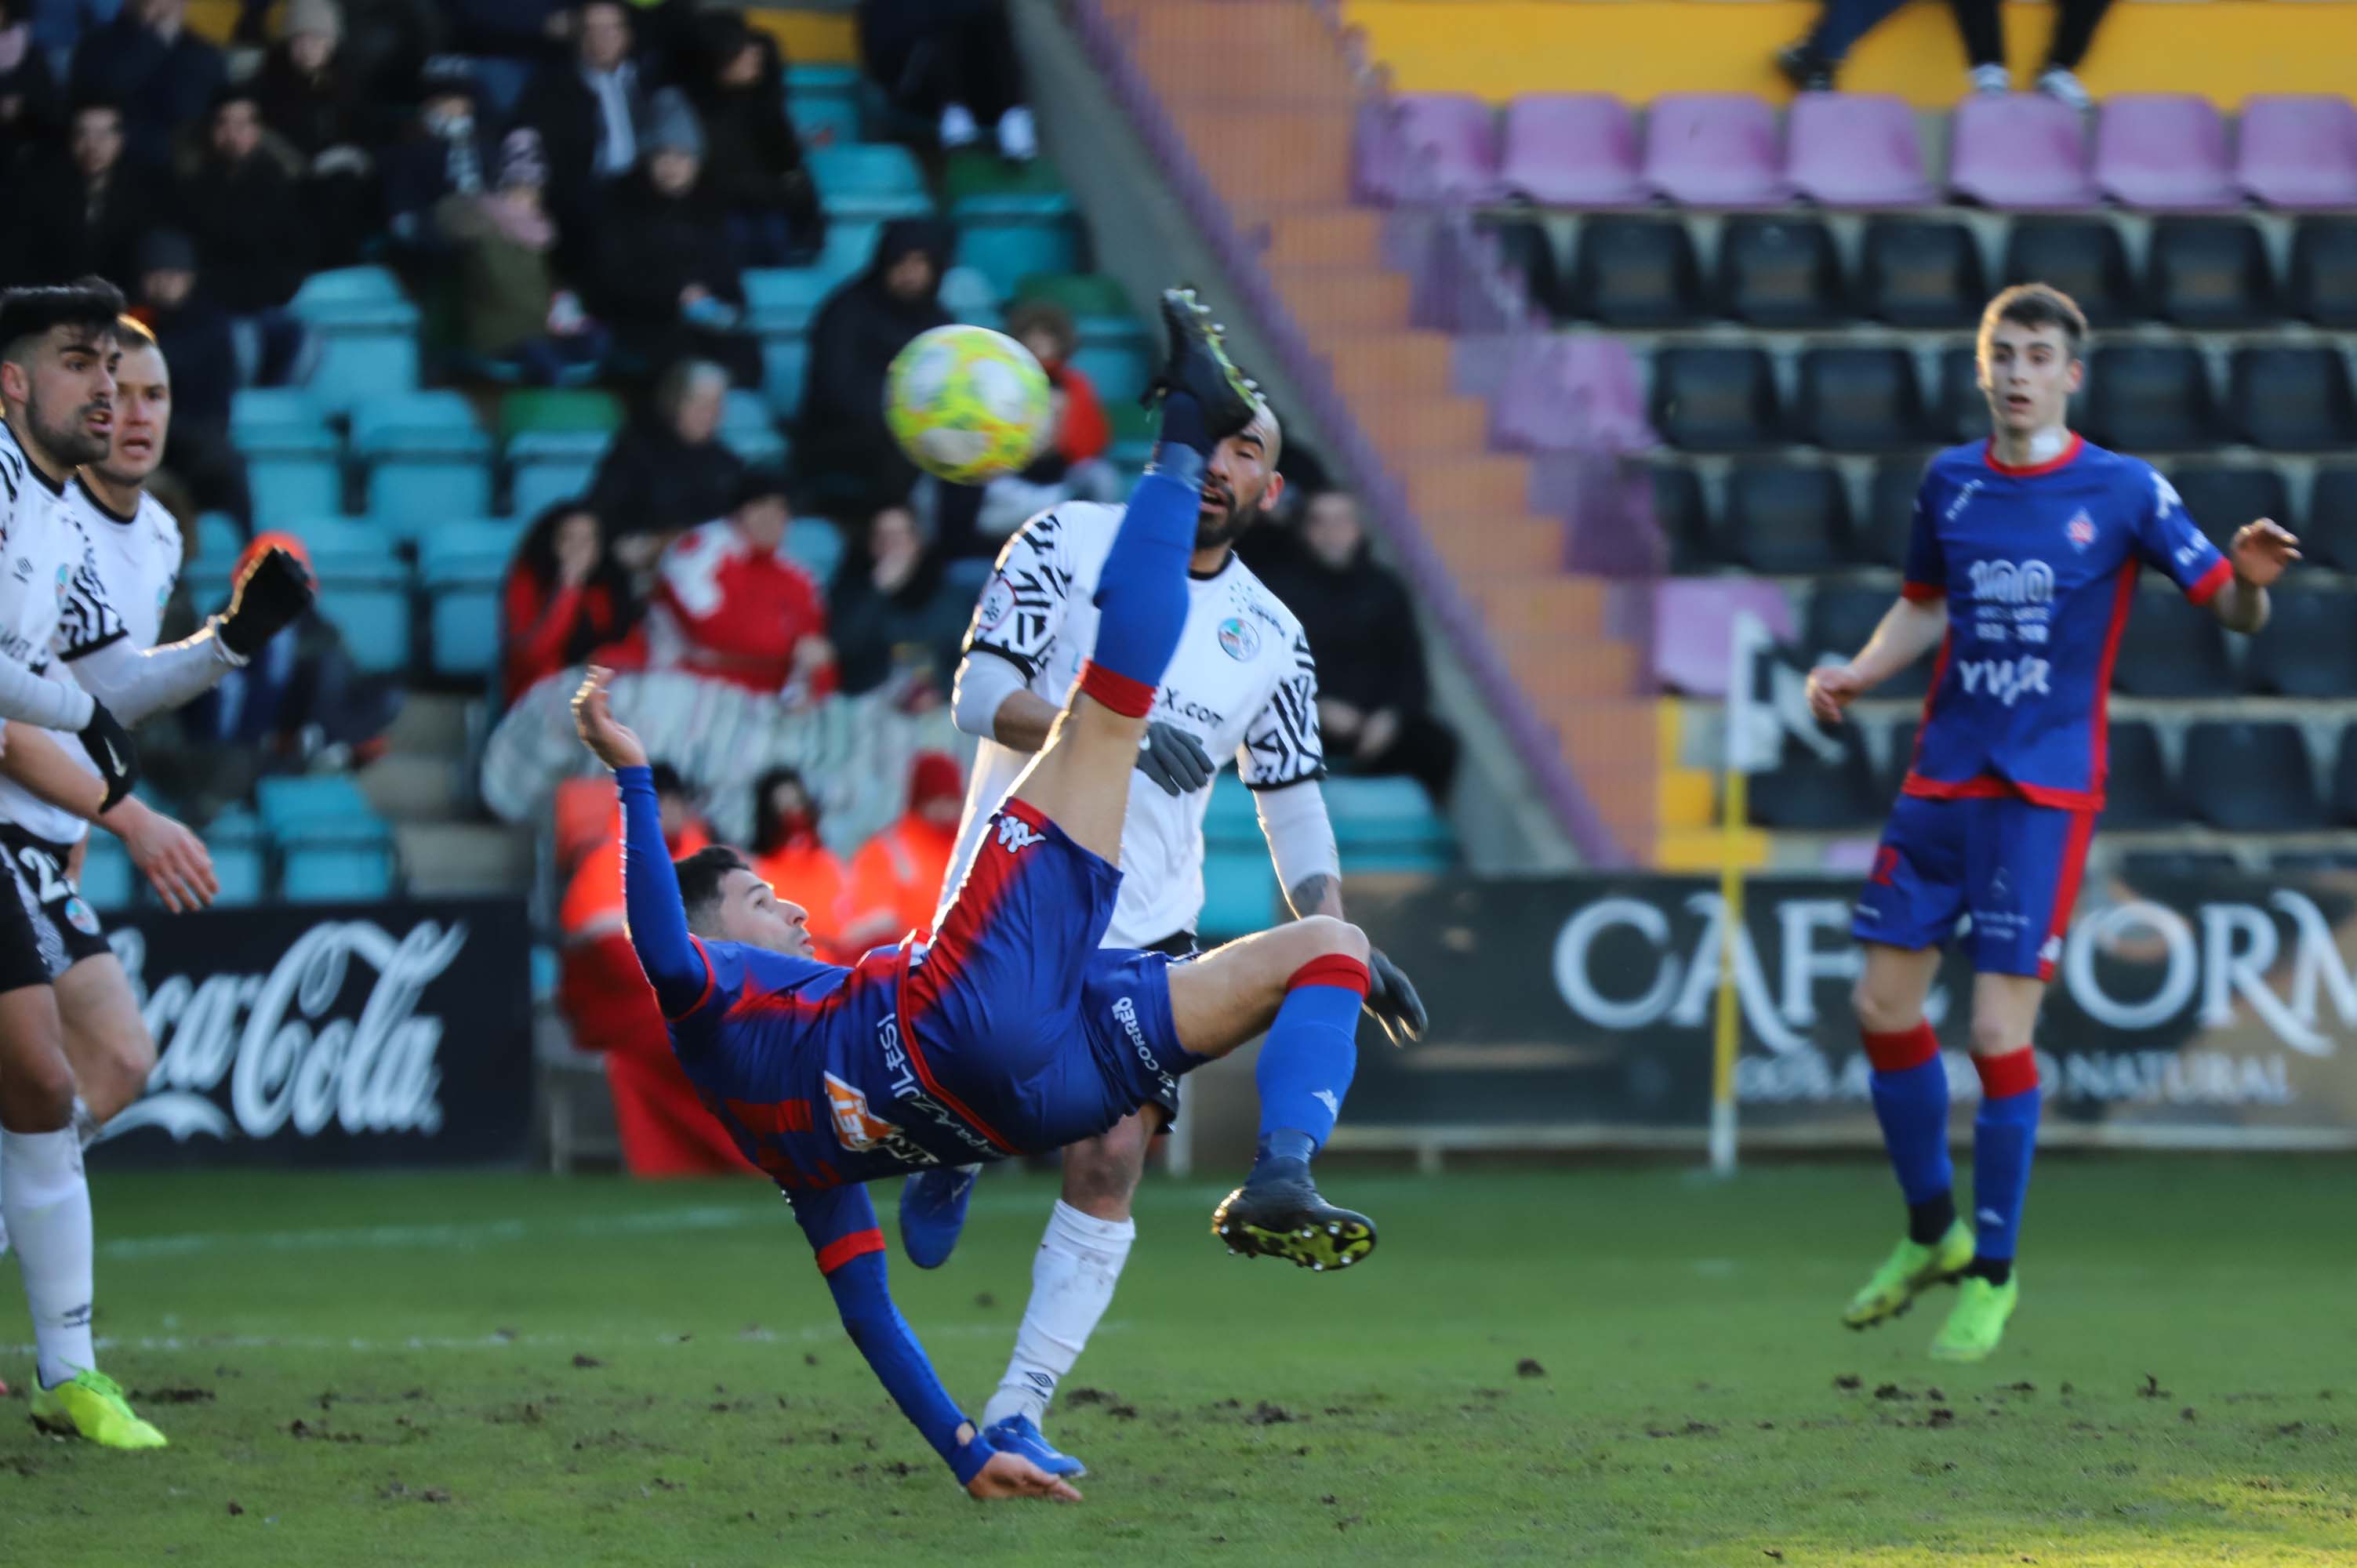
x=565 y=596
x=731 y=605
x=1045 y=329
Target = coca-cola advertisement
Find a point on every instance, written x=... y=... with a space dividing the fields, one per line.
x=2211 y=1011
x=377 y=1033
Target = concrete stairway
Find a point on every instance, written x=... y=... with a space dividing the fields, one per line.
x=447 y=849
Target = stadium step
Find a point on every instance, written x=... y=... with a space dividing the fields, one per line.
x=1490 y=483
x=1432 y=422
x=413 y=786
x=1478 y=547
x=1324 y=239
x=1356 y=295
x=1396 y=360
x=447 y=859
x=1272 y=158
x=432 y=722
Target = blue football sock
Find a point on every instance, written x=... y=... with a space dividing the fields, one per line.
x=1141 y=598
x=2005 y=1138
x=1308 y=1060
x=1910 y=1086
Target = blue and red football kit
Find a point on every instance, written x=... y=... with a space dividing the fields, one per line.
x=1011 y=1032
x=2039 y=566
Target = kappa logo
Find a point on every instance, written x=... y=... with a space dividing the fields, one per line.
x=2052 y=951
x=1015 y=836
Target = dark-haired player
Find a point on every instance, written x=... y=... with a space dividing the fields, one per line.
x=2022 y=571
x=58 y=348
x=1012 y=1030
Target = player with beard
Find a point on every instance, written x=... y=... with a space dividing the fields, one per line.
x=58 y=353
x=1240 y=685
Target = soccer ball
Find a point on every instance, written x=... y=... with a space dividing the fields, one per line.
x=967 y=404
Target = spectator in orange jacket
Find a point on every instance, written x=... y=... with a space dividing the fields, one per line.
x=896 y=877
x=789 y=856
x=665 y=1130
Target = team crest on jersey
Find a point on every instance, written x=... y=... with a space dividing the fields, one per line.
x=997 y=604
x=80 y=916
x=2080 y=530
x=1240 y=639
x=64 y=575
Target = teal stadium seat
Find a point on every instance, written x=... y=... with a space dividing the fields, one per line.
x=869 y=181
x=294 y=463
x=366 y=346
x=1119 y=370
x=823 y=101
x=336 y=874
x=107 y=874
x=217 y=537
x=970 y=297
x=551 y=466
x=1388 y=825
x=1008 y=250
x=1240 y=894
x=332 y=844
x=783 y=300
x=748 y=428
x=460 y=566
x=347 y=286
x=425 y=457
x=785 y=364
x=308 y=801
x=816 y=546
x=243 y=872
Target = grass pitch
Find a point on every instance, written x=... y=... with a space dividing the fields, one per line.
x=1607 y=1366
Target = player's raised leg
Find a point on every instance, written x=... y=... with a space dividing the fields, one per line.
x=2005 y=1138
x=1304 y=983
x=1080 y=778
x=1910 y=1086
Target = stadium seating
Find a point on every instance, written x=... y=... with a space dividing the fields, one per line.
x=1783 y=518
x=2328 y=532
x=2344 y=779
x=2221 y=498
x=2021 y=152
x=1920 y=273
x=1960 y=408
x=870 y=181
x=1779 y=273
x=1841 y=620
x=2083 y=257
x=1428 y=146
x=1855 y=150
x=1714 y=398
x=1714 y=149
x=1636 y=272
x=1859 y=400
x=2294 y=399
x=460 y=567
x=2322 y=285
x=2137 y=792
x=424 y=455
x=817 y=547
x=2251 y=778
x=2209 y=273
x=1682 y=517
x=1882 y=535
x=1576 y=149
x=2308 y=647
x=2149 y=398
x=2297 y=151
x=2163 y=152
x=332 y=844
x=294 y=463
x=2172 y=648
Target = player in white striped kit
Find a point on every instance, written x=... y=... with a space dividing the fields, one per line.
x=1241 y=685
x=60 y=350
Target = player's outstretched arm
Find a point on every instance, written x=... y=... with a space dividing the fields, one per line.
x=134 y=683
x=173 y=859
x=1910 y=629
x=650 y=901
x=841 y=1225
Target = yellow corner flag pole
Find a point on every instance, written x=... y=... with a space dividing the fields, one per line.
x=1729 y=1018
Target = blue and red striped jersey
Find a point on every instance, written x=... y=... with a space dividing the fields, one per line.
x=2039 y=567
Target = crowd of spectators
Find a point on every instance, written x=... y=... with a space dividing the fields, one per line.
x=1813 y=63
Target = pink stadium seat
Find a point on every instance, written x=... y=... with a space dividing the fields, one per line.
x=2164 y=151
x=2299 y=151
x=1855 y=149
x=1566 y=392
x=1572 y=149
x=1694 y=620
x=1714 y=149
x=2020 y=151
x=1427 y=146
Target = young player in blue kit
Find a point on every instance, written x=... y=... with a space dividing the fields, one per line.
x=1011 y=1031
x=2022 y=571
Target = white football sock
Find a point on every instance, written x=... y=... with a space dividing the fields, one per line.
x=47 y=1200
x=1072 y=1276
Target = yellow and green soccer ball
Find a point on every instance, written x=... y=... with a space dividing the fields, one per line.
x=967 y=404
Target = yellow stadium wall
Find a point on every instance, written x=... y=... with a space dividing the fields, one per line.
x=2224 y=49
x=808 y=38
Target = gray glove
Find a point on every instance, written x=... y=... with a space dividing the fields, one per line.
x=1175 y=759
x=1393 y=1000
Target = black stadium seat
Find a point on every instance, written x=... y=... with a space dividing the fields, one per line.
x=2221 y=498
x=2293 y=399
x=1719 y=400
x=2324 y=272
x=2308 y=647
x=1859 y=400
x=1682 y=517
x=1840 y=620
x=1784 y=519
x=1636 y=272
x=1920 y=273
x=1811 y=795
x=2201 y=867
x=2080 y=256
x=2209 y=273
x=1961 y=411
x=2247 y=778
x=2344 y=780
x=1779 y=273
x=2137 y=791
x=2328 y=534
x=1523 y=246
x=1889 y=522
x=2172 y=648
x=2148 y=398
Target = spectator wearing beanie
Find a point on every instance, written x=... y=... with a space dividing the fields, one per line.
x=843 y=451
x=669 y=282
x=517 y=324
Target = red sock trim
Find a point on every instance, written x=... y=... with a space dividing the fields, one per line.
x=2016 y=1072
x=1130 y=699
x=1906 y=1048
x=1335 y=969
